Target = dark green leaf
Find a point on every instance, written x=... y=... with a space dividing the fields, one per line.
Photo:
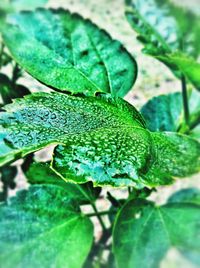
x=143 y=232
x=169 y=33
x=7 y=174
x=190 y=195
x=165 y=112
x=8 y=91
x=42 y=227
x=69 y=53
x=40 y=173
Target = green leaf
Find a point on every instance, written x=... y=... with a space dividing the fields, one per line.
x=8 y=91
x=176 y=155
x=190 y=195
x=172 y=155
x=40 y=173
x=188 y=66
x=143 y=233
x=42 y=227
x=66 y=52
x=165 y=112
x=41 y=119
x=102 y=139
x=168 y=33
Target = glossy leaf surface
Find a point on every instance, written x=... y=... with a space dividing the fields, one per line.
x=68 y=53
x=42 y=227
x=103 y=140
x=144 y=233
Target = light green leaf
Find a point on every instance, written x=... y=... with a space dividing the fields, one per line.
x=41 y=227
x=40 y=173
x=41 y=119
x=168 y=33
x=165 y=112
x=103 y=140
x=105 y=161
x=143 y=233
x=188 y=66
x=66 y=52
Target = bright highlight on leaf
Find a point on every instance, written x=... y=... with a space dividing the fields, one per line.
x=103 y=140
x=66 y=52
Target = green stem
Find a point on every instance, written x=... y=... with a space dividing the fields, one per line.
x=100 y=213
x=1 y=54
x=185 y=100
x=98 y=216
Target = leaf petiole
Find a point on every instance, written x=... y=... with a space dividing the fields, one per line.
x=185 y=100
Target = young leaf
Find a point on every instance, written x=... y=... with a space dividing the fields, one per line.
x=41 y=119
x=40 y=173
x=143 y=232
x=42 y=227
x=165 y=112
x=69 y=53
x=188 y=66
x=169 y=33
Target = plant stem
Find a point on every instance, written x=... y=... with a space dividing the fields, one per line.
x=1 y=54
x=98 y=216
x=100 y=213
x=185 y=100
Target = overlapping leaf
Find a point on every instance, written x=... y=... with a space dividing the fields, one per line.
x=144 y=232
x=69 y=53
x=103 y=140
x=165 y=112
x=169 y=33
x=40 y=173
x=43 y=227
